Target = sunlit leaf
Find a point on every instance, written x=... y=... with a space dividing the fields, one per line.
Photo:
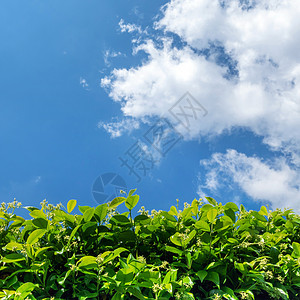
x=211 y=215
x=132 y=201
x=117 y=201
x=71 y=205
x=202 y=225
x=212 y=201
x=35 y=236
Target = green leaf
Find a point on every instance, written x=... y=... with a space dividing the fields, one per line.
x=71 y=205
x=127 y=236
x=177 y=239
x=82 y=209
x=35 y=236
x=230 y=213
x=231 y=205
x=242 y=208
x=38 y=214
x=40 y=223
x=296 y=247
x=226 y=221
x=188 y=259
x=263 y=211
x=190 y=237
x=289 y=224
x=88 y=262
x=117 y=296
x=169 y=217
x=242 y=267
x=132 y=201
x=88 y=214
x=61 y=215
x=211 y=215
x=14 y=257
x=120 y=220
x=142 y=219
x=29 y=250
x=26 y=288
x=108 y=256
x=13 y=245
x=186 y=212
x=135 y=291
x=274 y=253
x=101 y=211
x=117 y=201
x=259 y=216
x=41 y=251
x=73 y=234
x=173 y=250
x=173 y=211
x=89 y=228
x=206 y=207
x=213 y=277
x=131 y=192
x=232 y=241
x=62 y=280
x=170 y=276
x=125 y=275
x=201 y=274
x=202 y=225
x=187 y=296
x=30 y=208
x=212 y=201
x=119 y=250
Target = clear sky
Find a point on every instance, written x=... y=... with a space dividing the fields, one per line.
x=96 y=91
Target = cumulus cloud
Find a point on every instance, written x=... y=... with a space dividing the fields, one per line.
x=263 y=42
x=240 y=60
x=275 y=182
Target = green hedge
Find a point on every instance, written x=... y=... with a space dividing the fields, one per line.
x=205 y=251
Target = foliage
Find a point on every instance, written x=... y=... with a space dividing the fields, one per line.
x=205 y=251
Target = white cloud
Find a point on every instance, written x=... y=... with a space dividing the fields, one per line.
x=242 y=63
x=264 y=43
x=116 y=129
x=108 y=54
x=275 y=182
x=127 y=27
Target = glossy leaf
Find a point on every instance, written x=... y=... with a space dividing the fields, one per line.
x=35 y=236
x=202 y=225
x=117 y=201
x=71 y=205
x=101 y=211
x=211 y=215
x=88 y=214
x=132 y=201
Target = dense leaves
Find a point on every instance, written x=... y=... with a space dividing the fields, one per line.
x=205 y=251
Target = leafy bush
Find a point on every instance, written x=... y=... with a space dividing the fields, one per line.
x=205 y=251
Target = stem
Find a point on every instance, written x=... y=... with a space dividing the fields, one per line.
x=131 y=218
x=211 y=229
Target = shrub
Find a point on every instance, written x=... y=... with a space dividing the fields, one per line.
x=205 y=251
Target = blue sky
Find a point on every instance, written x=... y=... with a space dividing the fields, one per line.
x=83 y=81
